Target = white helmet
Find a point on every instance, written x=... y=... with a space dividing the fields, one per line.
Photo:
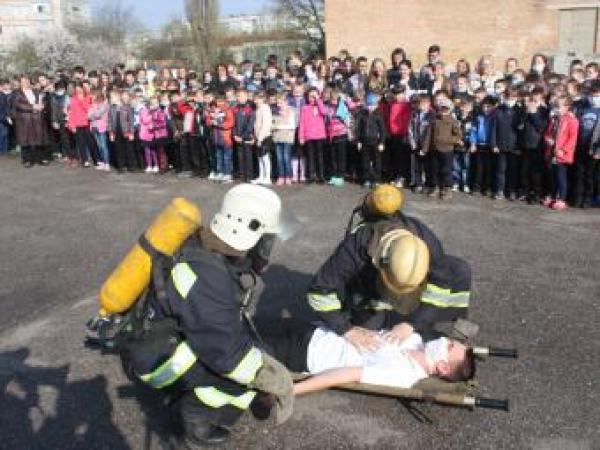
x=247 y=213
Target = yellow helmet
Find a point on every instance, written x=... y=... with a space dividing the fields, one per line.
x=385 y=200
x=403 y=262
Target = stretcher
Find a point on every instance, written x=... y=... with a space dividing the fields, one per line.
x=436 y=390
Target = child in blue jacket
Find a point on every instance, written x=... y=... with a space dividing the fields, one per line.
x=481 y=134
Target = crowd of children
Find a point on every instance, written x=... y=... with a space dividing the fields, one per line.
x=530 y=135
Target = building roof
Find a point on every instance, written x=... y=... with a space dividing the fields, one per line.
x=571 y=4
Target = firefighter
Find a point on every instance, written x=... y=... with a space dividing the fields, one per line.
x=390 y=272
x=196 y=344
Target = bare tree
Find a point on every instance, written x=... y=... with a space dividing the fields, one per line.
x=111 y=21
x=205 y=33
x=24 y=56
x=97 y=53
x=308 y=16
x=57 y=49
x=49 y=51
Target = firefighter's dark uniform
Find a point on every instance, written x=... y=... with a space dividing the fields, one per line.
x=198 y=344
x=344 y=294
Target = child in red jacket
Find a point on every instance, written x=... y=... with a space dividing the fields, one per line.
x=560 y=139
x=397 y=114
x=221 y=120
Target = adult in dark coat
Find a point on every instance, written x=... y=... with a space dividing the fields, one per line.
x=30 y=128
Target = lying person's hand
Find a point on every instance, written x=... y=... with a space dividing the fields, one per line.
x=398 y=334
x=364 y=340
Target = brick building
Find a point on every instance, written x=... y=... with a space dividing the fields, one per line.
x=28 y=17
x=464 y=28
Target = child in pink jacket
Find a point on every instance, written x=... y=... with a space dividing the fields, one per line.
x=561 y=140
x=313 y=135
x=98 y=116
x=153 y=134
x=339 y=110
x=79 y=124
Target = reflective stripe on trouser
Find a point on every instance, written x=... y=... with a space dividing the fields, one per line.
x=214 y=398
x=172 y=369
x=445 y=298
x=245 y=371
x=324 y=302
x=183 y=278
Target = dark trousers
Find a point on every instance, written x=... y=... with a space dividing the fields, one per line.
x=196 y=152
x=138 y=151
x=287 y=341
x=3 y=137
x=559 y=181
x=184 y=152
x=483 y=169
x=401 y=158
x=418 y=166
x=212 y=154
x=353 y=163
x=513 y=167
x=339 y=149
x=316 y=159
x=587 y=177
x=31 y=154
x=63 y=142
x=440 y=169
x=176 y=154
x=85 y=145
x=500 y=161
x=371 y=159
x=144 y=353
x=245 y=160
x=533 y=173
x=125 y=154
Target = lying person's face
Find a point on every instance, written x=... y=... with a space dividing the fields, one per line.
x=457 y=356
x=449 y=358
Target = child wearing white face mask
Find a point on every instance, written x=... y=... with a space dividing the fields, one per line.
x=560 y=140
x=506 y=153
x=59 y=102
x=539 y=66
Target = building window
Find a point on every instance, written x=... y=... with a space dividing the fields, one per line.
x=42 y=8
x=75 y=9
x=577 y=30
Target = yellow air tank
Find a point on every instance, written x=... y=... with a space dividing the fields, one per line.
x=385 y=200
x=175 y=224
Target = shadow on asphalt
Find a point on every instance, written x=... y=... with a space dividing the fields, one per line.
x=78 y=418
x=284 y=294
x=161 y=419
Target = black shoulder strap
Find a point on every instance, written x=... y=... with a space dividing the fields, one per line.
x=160 y=262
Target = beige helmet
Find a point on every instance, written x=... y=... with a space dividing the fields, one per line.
x=403 y=263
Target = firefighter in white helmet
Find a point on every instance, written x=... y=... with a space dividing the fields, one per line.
x=197 y=346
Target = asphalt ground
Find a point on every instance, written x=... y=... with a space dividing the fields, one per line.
x=536 y=288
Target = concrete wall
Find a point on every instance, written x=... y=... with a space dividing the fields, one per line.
x=463 y=28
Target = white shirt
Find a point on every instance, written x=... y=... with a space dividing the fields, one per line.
x=389 y=365
x=30 y=96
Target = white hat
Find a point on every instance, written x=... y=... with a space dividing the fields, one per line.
x=247 y=213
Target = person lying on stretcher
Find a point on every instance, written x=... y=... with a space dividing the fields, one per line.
x=333 y=361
